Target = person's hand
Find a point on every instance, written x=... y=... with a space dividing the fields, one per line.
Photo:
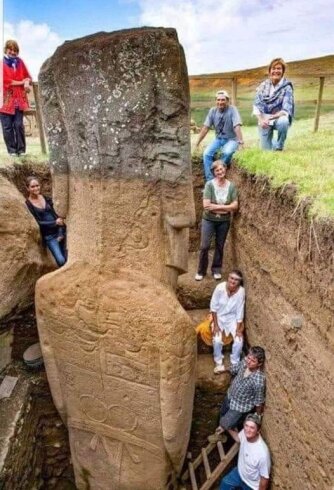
x=239 y=334
x=215 y=331
x=60 y=238
x=211 y=207
x=241 y=146
x=26 y=84
x=264 y=123
x=60 y=222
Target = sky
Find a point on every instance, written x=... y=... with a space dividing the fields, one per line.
x=217 y=36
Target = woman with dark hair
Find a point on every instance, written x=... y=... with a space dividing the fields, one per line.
x=52 y=226
x=16 y=85
x=227 y=309
x=220 y=199
x=274 y=106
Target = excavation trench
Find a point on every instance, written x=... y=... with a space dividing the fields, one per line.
x=287 y=261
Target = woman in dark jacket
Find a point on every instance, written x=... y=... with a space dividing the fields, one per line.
x=52 y=227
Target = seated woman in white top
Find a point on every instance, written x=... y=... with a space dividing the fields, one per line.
x=227 y=308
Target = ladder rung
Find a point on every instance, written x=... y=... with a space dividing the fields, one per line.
x=221 y=467
x=192 y=476
x=199 y=460
x=220 y=450
x=206 y=463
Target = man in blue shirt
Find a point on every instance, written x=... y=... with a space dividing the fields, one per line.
x=226 y=121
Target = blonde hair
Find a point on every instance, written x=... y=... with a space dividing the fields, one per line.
x=277 y=61
x=12 y=44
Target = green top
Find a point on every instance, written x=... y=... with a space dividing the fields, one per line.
x=219 y=195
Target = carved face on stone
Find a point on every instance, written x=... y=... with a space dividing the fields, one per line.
x=122 y=160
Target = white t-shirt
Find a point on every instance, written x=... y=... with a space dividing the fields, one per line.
x=221 y=193
x=253 y=461
x=229 y=309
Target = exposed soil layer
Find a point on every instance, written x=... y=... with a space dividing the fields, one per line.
x=287 y=260
x=18 y=173
x=288 y=263
x=24 y=328
x=38 y=454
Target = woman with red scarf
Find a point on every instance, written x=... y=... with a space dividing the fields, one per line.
x=16 y=85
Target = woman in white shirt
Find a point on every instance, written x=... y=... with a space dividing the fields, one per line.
x=227 y=308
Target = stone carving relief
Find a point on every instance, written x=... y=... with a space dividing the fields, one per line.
x=118 y=347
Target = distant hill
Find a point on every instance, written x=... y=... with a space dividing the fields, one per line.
x=312 y=67
x=304 y=74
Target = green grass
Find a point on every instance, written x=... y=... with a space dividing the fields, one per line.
x=34 y=153
x=306 y=110
x=307 y=162
x=306 y=93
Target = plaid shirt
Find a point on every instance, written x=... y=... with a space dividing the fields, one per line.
x=246 y=393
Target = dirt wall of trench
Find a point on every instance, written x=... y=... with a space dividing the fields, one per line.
x=288 y=263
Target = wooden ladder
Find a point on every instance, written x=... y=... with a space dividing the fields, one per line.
x=203 y=458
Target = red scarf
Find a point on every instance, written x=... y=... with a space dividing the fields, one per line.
x=14 y=96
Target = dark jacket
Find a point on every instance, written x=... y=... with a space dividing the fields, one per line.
x=46 y=218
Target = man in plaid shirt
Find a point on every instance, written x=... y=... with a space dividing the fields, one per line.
x=246 y=393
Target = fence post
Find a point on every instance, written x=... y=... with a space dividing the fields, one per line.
x=317 y=110
x=234 y=91
x=39 y=118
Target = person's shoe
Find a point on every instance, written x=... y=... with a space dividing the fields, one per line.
x=217 y=276
x=216 y=437
x=220 y=368
x=198 y=277
x=13 y=155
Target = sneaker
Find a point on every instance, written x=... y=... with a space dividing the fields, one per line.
x=220 y=368
x=198 y=277
x=217 y=276
x=216 y=437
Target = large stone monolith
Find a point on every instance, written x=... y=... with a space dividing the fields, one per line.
x=118 y=347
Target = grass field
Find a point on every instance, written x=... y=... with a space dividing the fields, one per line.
x=305 y=96
x=34 y=153
x=307 y=162
x=303 y=74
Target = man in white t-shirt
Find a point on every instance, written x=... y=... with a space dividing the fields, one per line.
x=253 y=470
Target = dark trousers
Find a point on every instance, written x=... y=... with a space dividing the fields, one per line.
x=13 y=132
x=220 y=230
x=228 y=418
